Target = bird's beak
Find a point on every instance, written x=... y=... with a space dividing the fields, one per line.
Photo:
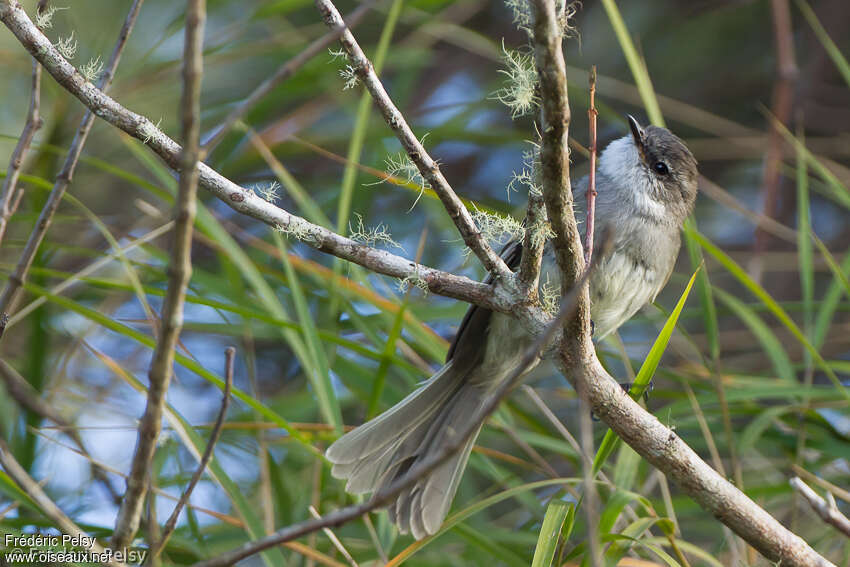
x=637 y=132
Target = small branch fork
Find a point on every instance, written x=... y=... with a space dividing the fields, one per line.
x=415 y=150
x=642 y=431
x=827 y=509
x=179 y=271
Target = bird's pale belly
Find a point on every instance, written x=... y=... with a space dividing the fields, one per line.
x=619 y=288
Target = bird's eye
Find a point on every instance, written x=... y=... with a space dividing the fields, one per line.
x=660 y=168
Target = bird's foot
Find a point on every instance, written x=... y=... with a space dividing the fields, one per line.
x=628 y=386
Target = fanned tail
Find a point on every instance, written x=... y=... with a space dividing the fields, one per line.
x=381 y=450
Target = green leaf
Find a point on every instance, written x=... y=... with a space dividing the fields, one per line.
x=547 y=540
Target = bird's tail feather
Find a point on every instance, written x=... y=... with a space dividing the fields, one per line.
x=381 y=450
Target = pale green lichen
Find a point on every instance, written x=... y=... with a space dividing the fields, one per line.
x=269 y=191
x=67 y=46
x=370 y=236
x=401 y=166
x=148 y=130
x=298 y=231
x=92 y=70
x=520 y=91
x=44 y=18
x=550 y=297
x=496 y=228
x=349 y=73
x=523 y=15
x=413 y=280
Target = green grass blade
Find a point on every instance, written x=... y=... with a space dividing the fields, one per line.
x=774 y=307
x=326 y=396
x=646 y=372
x=804 y=245
x=769 y=341
x=830 y=303
x=636 y=63
x=547 y=540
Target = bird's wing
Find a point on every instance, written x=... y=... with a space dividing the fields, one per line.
x=467 y=344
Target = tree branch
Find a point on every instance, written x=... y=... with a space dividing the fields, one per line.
x=555 y=159
x=427 y=167
x=238 y=198
x=66 y=174
x=179 y=271
x=534 y=240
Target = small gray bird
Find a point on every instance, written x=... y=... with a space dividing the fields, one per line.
x=647 y=185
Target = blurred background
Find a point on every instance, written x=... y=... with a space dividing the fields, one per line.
x=751 y=378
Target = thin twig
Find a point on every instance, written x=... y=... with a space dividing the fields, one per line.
x=826 y=509
x=334 y=540
x=591 y=178
x=66 y=174
x=284 y=72
x=49 y=508
x=419 y=470
x=179 y=274
x=242 y=200
x=8 y=198
x=428 y=168
x=171 y=523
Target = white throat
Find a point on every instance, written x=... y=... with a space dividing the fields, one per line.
x=621 y=163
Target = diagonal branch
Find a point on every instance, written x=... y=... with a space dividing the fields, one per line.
x=415 y=150
x=66 y=174
x=16 y=161
x=241 y=200
x=179 y=274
